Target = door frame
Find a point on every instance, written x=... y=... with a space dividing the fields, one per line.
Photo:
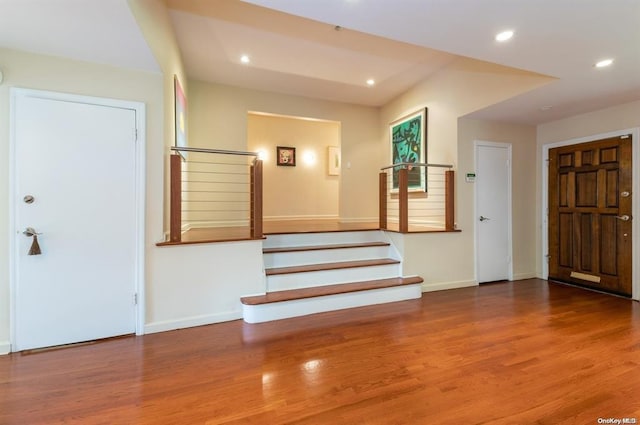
x=140 y=193
x=476 y=237
x=635 y=202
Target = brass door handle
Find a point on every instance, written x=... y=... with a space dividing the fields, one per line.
x=30 y=231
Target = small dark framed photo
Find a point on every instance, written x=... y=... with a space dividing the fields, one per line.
x=286 y=156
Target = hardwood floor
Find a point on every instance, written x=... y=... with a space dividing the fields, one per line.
x=510 y=353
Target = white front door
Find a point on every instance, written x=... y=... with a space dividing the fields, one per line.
x=75 y=183
x=493 y=211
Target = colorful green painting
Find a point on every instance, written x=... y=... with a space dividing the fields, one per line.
x=409 y=145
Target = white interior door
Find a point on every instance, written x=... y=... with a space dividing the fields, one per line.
x=77 y=162
x=493 y=211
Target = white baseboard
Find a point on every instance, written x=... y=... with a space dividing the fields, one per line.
x=442 y=286
x=5 y=347
x=299 y=217
x=189 y=322
x=522 y=276
x=358 y=219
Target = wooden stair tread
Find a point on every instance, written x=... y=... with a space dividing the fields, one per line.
x=321 y=247
x=319 y=291
x=330 y=266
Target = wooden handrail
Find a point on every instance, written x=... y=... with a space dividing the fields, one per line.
x=403 y=200
x=256 y=200
x=219 y=151
x=382 y=200
x=415 y=164
x=449 y=203
x=175 y=213
x=179 y=186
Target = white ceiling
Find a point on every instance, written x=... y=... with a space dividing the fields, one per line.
x=100 y=31
x=558 y=38
x=295 y=48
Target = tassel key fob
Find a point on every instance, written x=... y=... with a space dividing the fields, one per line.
x=35 y=246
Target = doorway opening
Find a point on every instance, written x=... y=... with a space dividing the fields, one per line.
x=301 y=170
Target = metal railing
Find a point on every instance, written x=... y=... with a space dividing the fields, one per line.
x=416 y=197
x=214 y=189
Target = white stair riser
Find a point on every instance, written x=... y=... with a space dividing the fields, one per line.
x=298 y=258
x=329 y=238
x=283 y=310
x=284 y=282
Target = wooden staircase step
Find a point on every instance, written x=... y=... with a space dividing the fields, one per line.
x=319 y=291
x=321 y=247
x=330 y=266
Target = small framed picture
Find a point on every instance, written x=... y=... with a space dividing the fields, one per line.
x=286 y=156
x=333 y=155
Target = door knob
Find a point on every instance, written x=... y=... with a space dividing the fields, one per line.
x=483 y=218
x=30 y=231
x=623 y=217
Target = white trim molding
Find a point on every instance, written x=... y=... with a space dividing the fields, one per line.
x=189 y=322
x=442 y=286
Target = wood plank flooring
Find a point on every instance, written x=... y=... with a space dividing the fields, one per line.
x=511 y=353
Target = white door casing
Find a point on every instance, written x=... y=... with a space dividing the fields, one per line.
x=79 y=159
x=492 y=218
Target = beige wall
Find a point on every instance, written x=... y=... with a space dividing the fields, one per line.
x=305 y=191
x=598 y=122
x=218 y=118
x=523 y=144
x=153 y=19
x=54 y=74
x=464 y=86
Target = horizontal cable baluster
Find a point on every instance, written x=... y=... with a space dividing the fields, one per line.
x=218 y=188
x=428 y=201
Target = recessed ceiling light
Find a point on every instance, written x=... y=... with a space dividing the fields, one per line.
x=545 y=107
x=371 y=82
x=603 y=63
x=245 y=59
x=504 y=35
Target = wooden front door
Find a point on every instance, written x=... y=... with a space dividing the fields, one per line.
x=590 y=214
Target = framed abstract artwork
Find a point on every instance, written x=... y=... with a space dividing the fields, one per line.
x=286 y=156
x=333 y=160
x=180 y=108
x=408 y=140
